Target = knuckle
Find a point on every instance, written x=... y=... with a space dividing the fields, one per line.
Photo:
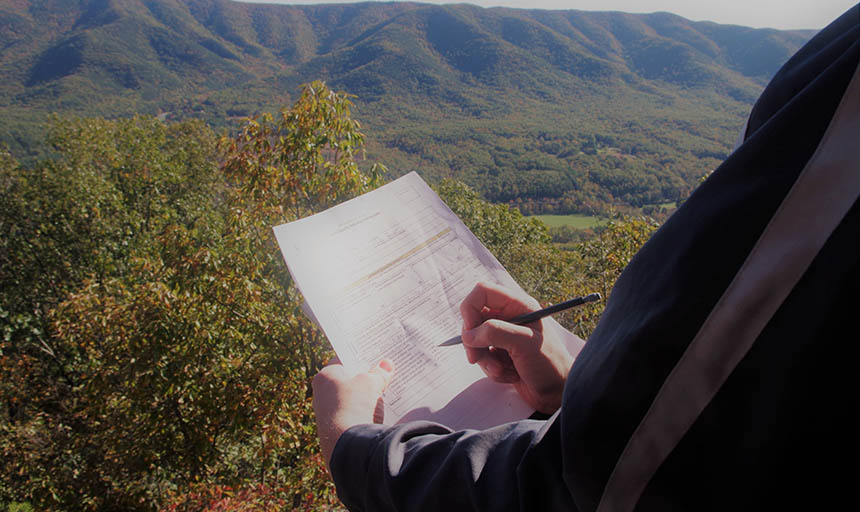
x=493 y=326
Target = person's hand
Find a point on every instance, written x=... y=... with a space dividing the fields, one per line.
x=537 y=365
x=342 y=400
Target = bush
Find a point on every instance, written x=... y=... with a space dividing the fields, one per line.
x=153 y=343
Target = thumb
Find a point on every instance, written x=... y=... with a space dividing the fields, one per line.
x=383 y=372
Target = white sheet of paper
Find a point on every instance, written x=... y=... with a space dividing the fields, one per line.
x=384 y=275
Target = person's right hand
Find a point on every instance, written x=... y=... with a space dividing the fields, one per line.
x=537 y=365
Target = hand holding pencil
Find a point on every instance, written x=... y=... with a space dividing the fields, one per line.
x=534 y=316
x=527 y=356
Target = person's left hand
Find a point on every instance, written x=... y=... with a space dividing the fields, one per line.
x=342 y=400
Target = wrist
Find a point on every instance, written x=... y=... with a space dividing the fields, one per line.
x=331 y=432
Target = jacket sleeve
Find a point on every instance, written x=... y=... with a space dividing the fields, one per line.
x=424 y=466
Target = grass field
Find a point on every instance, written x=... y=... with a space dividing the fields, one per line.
x=575 y=220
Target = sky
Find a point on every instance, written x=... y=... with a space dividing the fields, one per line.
x=781 y=14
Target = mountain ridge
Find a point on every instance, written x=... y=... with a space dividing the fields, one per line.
x=422 y=74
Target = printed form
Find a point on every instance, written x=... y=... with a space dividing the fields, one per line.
x=384 y=275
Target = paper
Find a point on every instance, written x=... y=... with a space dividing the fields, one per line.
x=384 y=275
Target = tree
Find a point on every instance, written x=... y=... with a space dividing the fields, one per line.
x=81 y=218
x=550 y=274
x=606 y=255
x=186 y=360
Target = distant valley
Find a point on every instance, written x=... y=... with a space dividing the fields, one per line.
x=552 y=111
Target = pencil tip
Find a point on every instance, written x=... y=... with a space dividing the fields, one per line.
x=456 y=340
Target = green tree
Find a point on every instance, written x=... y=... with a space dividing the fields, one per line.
x=80 y=218
x=186 y=360
x=498 y=226
x=605 y=256
x=545 y=271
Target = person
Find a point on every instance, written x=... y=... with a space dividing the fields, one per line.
x=722 y=374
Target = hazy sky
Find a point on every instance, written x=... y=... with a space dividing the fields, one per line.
x=784 y=14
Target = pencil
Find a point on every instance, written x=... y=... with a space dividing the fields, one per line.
x=536 y=315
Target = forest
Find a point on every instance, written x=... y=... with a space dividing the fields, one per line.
x=550 y=111
x=154 y=355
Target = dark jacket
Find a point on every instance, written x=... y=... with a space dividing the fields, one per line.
x=778 y=427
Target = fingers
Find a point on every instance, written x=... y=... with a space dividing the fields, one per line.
x=374 y=381
x=473 y=355
x=490 y=346
x=493 y=343
x=489 y=300
x=500 y=334
x=498 y=366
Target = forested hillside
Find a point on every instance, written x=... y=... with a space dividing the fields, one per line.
x=549 y=110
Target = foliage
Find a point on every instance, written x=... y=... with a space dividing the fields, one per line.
x=154 y=354
x=497 y=225
x=218 y=498
x=569 y=112
x=162 y=347
x=609 y=252
x=545 y=271
x=78 y=219
x=20 y=507
x=303 y=163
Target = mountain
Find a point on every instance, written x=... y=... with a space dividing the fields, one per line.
x=551 y=110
